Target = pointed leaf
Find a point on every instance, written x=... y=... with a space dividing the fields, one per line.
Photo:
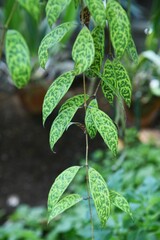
x=32 y=6
x=119 y=27
x=55 y=93
x=59 y=186
x=97 y=10
x=119 y=201
x=54 y=8
x=106 y=128
x=132 y=51
x=64 y=204
x=90 y=127
x=83 y=51
x=123 y=82
x=51 y=39
x=100 y=194
x=18 y=58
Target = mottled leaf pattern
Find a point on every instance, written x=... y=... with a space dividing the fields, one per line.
x=132 y=51
x=97 y=10
x=123 y=82
x=59 y=186
x=119 y=201
x=100 y=194
x=90 y=127
x=98 y=38
x=51 y=39
x=75 y=101
x=83 y=51
x=55 y=93
x=119 y=27
x=32 y=6
x=18 y=58
x=54 y=9
x=106 y=128
x=64 y=204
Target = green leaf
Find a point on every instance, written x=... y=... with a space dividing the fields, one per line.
x=123 y=82
x=54 y=8
x=18 y=58
x=32 y=6
x=98 y=38
x=55 y=93
x=97 y=10
x=83 y=51
x=106 y=128
x=76 y=3
x=132 y=51
x=75 y=101
x=59 y=186
x=119 y=27
x=51 y=39
x=100 y=194
x=64 y=204
x=119 y=201
x=90 y=127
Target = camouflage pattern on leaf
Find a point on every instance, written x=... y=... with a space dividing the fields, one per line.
x=55 y=93
x=132 y=51
x=64 y=204
x=98 y=38
x=54 y=8
x=51 y=39
x=119 y=201
x=90 y=127
x=59 y=186
x=83 y=51
x=100 y=194
x=75 y=101
x=32 y=6
x=18 y=58
x=123 y=82
x=106 y=128
x=119 y=27
x=97 y=10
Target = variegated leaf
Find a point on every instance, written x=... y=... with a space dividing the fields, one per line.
x=55 y=93
x=90 y=127
x=97 y=10
x=123 y=82
x=132 y=51
x=98 y=38
x=32 y=6
x=119 y=201
x=119 y=27
x=100 y=194
x=51 y=39
x=54 y=8
x=83 y=51
x=18 y=58
x=64 y=204
x=59 y=186
x=106 y=128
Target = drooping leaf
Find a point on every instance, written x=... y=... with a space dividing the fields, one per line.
x=90 y=127
x=32 y=6
x=59 y=186
x=75 y=101
x=100 y=194
x=64 y=204
x=83 y=51
x=55 y=93
x=106 y=128
x=119 y=27
x=97 y=10
x=123 y=82
x=132 y=51
x=51 y=39
x=98 y=38
x=54 y=8
x=119 y=201
x=18 y=58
